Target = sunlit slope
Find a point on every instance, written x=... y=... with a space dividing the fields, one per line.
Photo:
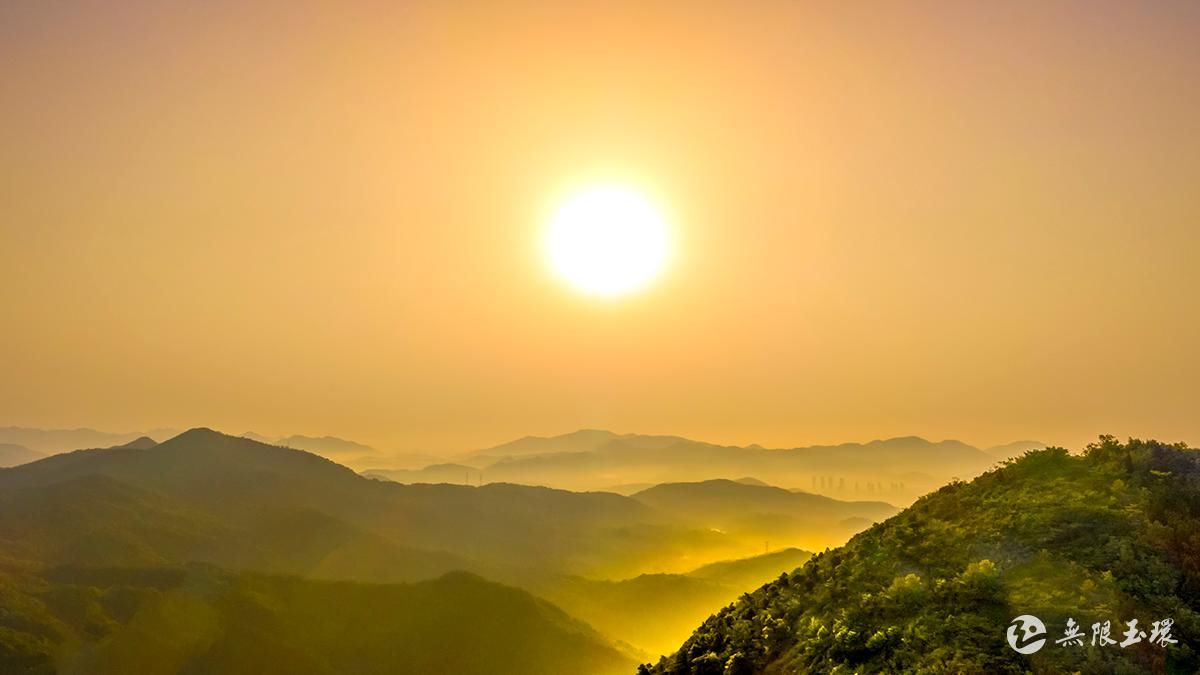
x=167 y=621
x=654 y=612
x=749 y=573
x=1112 y=535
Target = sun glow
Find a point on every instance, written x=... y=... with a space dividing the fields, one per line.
x=607 y=240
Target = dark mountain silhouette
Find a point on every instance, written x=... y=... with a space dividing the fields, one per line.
x=203 y=620
x=203 y=467
x=1112 y=535
x=140 y=443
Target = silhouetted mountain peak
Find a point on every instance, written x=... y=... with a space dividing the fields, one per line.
x=902 y=440
x=140 y=443
x=722 y=487
x=197 y=456
x=201 y=435
x=206 y=439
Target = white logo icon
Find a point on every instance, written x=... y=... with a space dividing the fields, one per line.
x=1032 y=637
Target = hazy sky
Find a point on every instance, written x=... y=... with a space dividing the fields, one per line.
x=974 y=220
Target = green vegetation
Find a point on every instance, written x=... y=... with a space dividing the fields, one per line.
x=1110 y=535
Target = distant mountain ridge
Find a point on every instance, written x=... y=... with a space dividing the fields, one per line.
x=1014 y=449
x=325 y=445
x=12 y=454
x=49 y=441
x=896 y=469
x=591 y=440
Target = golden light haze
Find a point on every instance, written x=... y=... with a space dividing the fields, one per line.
x=958 y=220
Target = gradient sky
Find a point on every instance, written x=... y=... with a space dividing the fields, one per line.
x=974 y=220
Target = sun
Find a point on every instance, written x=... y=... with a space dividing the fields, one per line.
x=607 y=240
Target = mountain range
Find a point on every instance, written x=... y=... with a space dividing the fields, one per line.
x=341 y=450
x=896 y=470
x=50 y=441
x=245 y=507
x=216 y=553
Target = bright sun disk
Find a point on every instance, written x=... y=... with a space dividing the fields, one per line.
x=607 y=240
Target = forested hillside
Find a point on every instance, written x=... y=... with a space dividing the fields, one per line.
x=1109 y=536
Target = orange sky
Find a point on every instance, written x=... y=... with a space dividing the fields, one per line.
x=966 y=220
